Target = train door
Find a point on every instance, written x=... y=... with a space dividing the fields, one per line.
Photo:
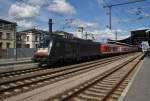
x=58 y=50
x=75 y=50
x=69 y=48
x=79 y=49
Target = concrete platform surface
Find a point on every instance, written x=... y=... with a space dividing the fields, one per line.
x=11 y=61
x=9 y=65
x=139 y=90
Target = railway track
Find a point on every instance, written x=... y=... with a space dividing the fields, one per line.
x=105 y=87
x=18 y=72
x=15 y=73
x=12 y=85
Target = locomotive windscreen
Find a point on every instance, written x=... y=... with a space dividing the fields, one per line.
x=45 y=42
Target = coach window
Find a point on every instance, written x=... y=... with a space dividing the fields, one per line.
x=111 y=49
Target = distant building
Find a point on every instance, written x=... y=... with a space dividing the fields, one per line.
x=30 y=38
x=7 y=34
x=138 y=36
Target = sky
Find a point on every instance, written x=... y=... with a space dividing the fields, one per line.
x=68 y=15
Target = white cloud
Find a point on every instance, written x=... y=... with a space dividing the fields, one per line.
x=21 y=10
x=101 y=35
x=120 y=31
x=25 y=23
x=38 y=2
x=27 y=11
x=61 y=6
x=24 y=13
x=146 y=15
x=104 y=34
x=141 y=28
x=81 y=23
x=100 y=2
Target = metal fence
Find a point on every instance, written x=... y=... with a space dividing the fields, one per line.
x=16 y=53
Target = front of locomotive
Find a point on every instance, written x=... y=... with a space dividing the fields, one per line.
x=42 y=54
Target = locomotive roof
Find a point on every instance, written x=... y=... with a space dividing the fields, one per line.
x=67 y=37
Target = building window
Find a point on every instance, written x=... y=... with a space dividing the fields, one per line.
x=27 y=38
x=18 y=46
x=36 y=45
x=8 y=27
x=40 y=38
x=8 y=45
x=1 y=34
x=19 y=38
x=23 y=38
x=7 y=35
x=1 y=45
x=28 y=46
x=36 y=38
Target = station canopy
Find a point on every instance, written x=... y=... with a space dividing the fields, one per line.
x=137 y=37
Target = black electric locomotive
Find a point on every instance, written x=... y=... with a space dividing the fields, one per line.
x=62 y=46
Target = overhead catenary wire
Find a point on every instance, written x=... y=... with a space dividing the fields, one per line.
x=109 y=6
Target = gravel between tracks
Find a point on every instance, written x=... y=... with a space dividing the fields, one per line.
x=12 y=87
x=63 y=85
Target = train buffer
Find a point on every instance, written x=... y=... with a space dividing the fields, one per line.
x=139 y=87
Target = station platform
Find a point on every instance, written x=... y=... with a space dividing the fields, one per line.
x=139 y=87
x=13 y=61
x=9 y=65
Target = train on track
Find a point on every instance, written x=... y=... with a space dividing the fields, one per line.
x=63 y=47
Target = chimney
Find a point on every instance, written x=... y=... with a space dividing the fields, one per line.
x=50 y=25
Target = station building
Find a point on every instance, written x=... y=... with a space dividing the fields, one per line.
x=7 y=34
x=137 y=37
x=30 y=38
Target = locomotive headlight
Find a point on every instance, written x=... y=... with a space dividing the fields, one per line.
x=42 y=50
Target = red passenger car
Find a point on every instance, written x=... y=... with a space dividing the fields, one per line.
x=107 y=49
x=104 y=48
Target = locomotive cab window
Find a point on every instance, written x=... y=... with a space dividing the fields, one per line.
x=45 y=43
